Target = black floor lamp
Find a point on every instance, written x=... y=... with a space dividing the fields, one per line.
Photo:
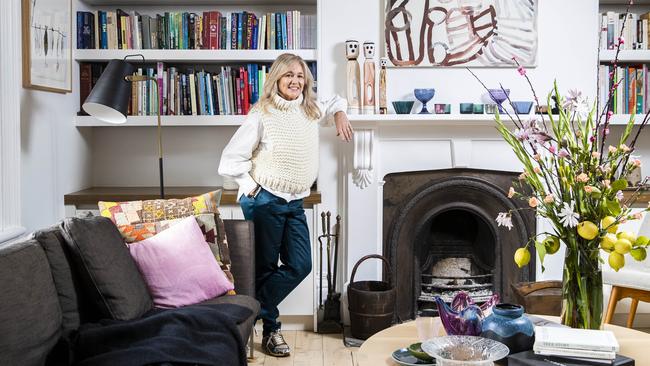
x=109 y=100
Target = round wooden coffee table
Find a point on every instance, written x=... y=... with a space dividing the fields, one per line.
x=377 y=349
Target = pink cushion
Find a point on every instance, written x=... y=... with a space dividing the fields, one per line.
x=179 y=267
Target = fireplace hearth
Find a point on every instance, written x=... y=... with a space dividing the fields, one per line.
x=440 y=236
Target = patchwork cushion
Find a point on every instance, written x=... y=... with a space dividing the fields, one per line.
x=178 y=267
x=140 y=220
x=136 y=212
x=109 y=275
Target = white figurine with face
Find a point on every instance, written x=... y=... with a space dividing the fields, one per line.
x=369 y=78
x=383 y=108
x=353 y=82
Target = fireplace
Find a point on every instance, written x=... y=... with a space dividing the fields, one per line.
x=440 y=236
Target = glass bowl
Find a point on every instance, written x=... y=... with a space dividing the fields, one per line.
x=403 y=106
x=465 y=350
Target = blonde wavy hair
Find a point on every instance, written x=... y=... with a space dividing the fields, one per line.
x=280 y=67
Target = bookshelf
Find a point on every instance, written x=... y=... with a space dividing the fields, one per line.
x=193 y=56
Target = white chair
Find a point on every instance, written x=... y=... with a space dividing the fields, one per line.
x=633 y=281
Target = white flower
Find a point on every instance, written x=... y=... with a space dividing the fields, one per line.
x=619 y=195
x=567 y=216
x=504 y=219
x=576 y=102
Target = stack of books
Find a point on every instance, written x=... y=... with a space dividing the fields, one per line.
x=597 y=346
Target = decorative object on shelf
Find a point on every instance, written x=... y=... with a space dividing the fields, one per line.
x=403 y=106
x=463 y=317
x=490 y=108
x=383 y=107
x=362 y=158
x=353 y=77
x=465 y=350
x=442 y=108
x=47 y=45
x=423 y=33
x=521 y=107
x=109 y=100
x=574 y=176
x=424 y=95
x=478 y=108
x=499 y=96
x=509 y=325
x=466 y=108
x=369 y=78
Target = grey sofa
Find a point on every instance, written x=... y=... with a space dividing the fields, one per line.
x=41 y=297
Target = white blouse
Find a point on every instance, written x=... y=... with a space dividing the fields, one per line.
x=236 y=156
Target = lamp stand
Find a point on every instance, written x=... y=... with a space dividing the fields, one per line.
x=136 y=78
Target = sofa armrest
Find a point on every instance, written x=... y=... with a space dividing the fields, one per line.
x=241 y=244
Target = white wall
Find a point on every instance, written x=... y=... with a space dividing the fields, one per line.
x=55 y=156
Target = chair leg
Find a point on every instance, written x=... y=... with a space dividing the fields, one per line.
x=630 y=317
x=611 y=307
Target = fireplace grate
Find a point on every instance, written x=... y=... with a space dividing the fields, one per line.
x=479 y=287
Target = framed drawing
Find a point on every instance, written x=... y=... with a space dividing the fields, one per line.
x=47 y=45
x=445 y=33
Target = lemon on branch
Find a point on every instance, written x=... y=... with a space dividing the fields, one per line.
x=552 y=244
x=608 y=241
x=588 y=230
x=622 y=246
x=522 y=257
x=616 y=261
x=607 y=224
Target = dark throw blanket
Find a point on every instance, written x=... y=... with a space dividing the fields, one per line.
x=197 y=334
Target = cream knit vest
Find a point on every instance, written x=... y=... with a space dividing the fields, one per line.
x=291 y=163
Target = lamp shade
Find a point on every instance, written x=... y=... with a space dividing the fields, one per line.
x=109 y=99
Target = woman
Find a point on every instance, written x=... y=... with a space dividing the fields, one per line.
x=273 y=157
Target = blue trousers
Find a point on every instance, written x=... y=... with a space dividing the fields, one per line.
x=281 y=232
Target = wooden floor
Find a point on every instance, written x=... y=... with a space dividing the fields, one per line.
x=308 y=349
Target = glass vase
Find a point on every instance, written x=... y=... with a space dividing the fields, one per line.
x=582 y=287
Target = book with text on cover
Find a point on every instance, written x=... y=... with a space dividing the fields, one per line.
x=574 y=352
x=571 y=338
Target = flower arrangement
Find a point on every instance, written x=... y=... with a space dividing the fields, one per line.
x=575 y=176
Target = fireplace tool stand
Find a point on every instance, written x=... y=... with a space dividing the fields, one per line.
x=329 y=314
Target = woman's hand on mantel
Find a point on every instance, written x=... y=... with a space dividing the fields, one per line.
x=343 y=126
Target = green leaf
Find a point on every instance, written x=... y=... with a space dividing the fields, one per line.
x=619 y=185
x=541 y=252
x=614 y=207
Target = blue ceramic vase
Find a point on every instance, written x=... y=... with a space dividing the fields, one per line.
x=509 y=325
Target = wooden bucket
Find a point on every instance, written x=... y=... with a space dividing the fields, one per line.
x=371 y=303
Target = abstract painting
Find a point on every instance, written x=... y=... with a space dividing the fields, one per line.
x=47 y=40
x=461 y=32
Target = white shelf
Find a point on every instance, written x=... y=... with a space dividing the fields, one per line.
x=198 y=2
x=191 y=56
x=625 y=55
x=423 y=119
x=172 y=121
x=623 y=119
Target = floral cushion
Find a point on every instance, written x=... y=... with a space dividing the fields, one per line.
x=140 y=220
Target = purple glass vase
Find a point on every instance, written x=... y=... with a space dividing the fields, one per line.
x=464 y=317
x=499 y=96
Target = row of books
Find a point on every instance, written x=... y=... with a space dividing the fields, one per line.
x=226 y=90
x=183 y=30
x=635 y=34
x=631 y=94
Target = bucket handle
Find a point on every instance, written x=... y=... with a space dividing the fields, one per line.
x=354 y=270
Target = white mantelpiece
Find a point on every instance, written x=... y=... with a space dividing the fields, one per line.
x=386 y=146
